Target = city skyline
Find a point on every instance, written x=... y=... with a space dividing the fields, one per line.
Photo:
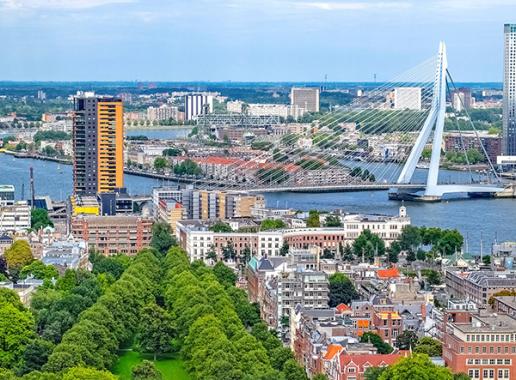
x=270 y=40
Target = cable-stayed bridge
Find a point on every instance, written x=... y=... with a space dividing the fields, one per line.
x=389 y=139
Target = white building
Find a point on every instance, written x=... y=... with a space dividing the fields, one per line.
x=15 y=218
x=235 y=106
x=407 y=98
x=281 y=110
x=6 y=195
x=196 y=104
x=509 y=92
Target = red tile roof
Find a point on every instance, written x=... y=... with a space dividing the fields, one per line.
x=388 y=273
x=341 y=308
x=369 y=360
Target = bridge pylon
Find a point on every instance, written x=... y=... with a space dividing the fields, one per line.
x=434 y=122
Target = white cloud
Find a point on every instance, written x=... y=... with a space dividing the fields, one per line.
x=355 y=5
x=472 y=4
x=57 y=4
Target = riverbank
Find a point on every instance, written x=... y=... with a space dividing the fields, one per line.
x=158 y=127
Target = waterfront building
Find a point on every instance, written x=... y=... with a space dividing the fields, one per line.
x=460 y=141
x=480 y=344
x=509 y=91
x=111 y=235
x=306 y=98
x=163 y=112
x=208 y=204
x=197 y=104
x=15 y=217
x=6 y=195
x=98 y=144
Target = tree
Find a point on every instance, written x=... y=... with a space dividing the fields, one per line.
x=160 y=163
x=328 y=254
x=410 y=238
x=313 y=219
x=432 y=276
x=342 y=290
x=376 y=340
x=369 y=245
x=220 y=226
x=332 y=221
x=429 y=346
x=36 y=355
x=406 y=340
x=284 y=249
x=393 y=252
x=486 y=260
x=347 y=253
x=18 y=255
x=39 y=219
x=162 y=239
x=16 y=333
x=156 y=330
x=79 y=373
x=417 y=367
x=169 y=152
x=373 y=373
x=39 y=270
x=293 y=371
x=228 y=251
x=146 y=370
x=450 y=242
x=272 y=224
x=225 y=275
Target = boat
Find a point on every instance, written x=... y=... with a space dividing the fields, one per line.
x=423 y=165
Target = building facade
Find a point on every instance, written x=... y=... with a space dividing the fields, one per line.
x=15 y=217
x=98 y=144
x=509 y=91
x=197 y=104
x=306 y=98
x=482 y=345
x=111 y=235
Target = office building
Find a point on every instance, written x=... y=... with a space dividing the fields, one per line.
x=305 y=97
x=509 y=91
x=197 y=104
x=407 y=98
x=162 y=112
x=98 y=144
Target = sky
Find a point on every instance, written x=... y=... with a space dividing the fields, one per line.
x=248 y=40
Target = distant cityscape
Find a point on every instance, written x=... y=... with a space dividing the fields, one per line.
x=207 y=276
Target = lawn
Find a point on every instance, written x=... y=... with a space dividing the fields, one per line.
x=171 y=368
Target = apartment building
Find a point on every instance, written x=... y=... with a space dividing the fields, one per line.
x=480 y=344
x=111 y=235
x=15 y=217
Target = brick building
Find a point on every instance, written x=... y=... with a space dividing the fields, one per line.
x=480 y=344
x=111 y=235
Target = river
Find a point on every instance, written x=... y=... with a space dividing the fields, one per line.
x=491 y=218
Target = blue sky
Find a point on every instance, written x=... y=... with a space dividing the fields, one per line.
x=248 y=40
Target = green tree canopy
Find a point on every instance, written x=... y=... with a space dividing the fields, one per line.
x=342 y=290
x=18 y=255
x=332 y=221
x=16 y=333
x=162 y=238
x=221 y=226
x=39 y=219
x=417 y=367
x=376 y=340
x=368 y=245
x=146 y=370
x=272 y=224
x=428 y=346
x=313 y=219
x=155 y=331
